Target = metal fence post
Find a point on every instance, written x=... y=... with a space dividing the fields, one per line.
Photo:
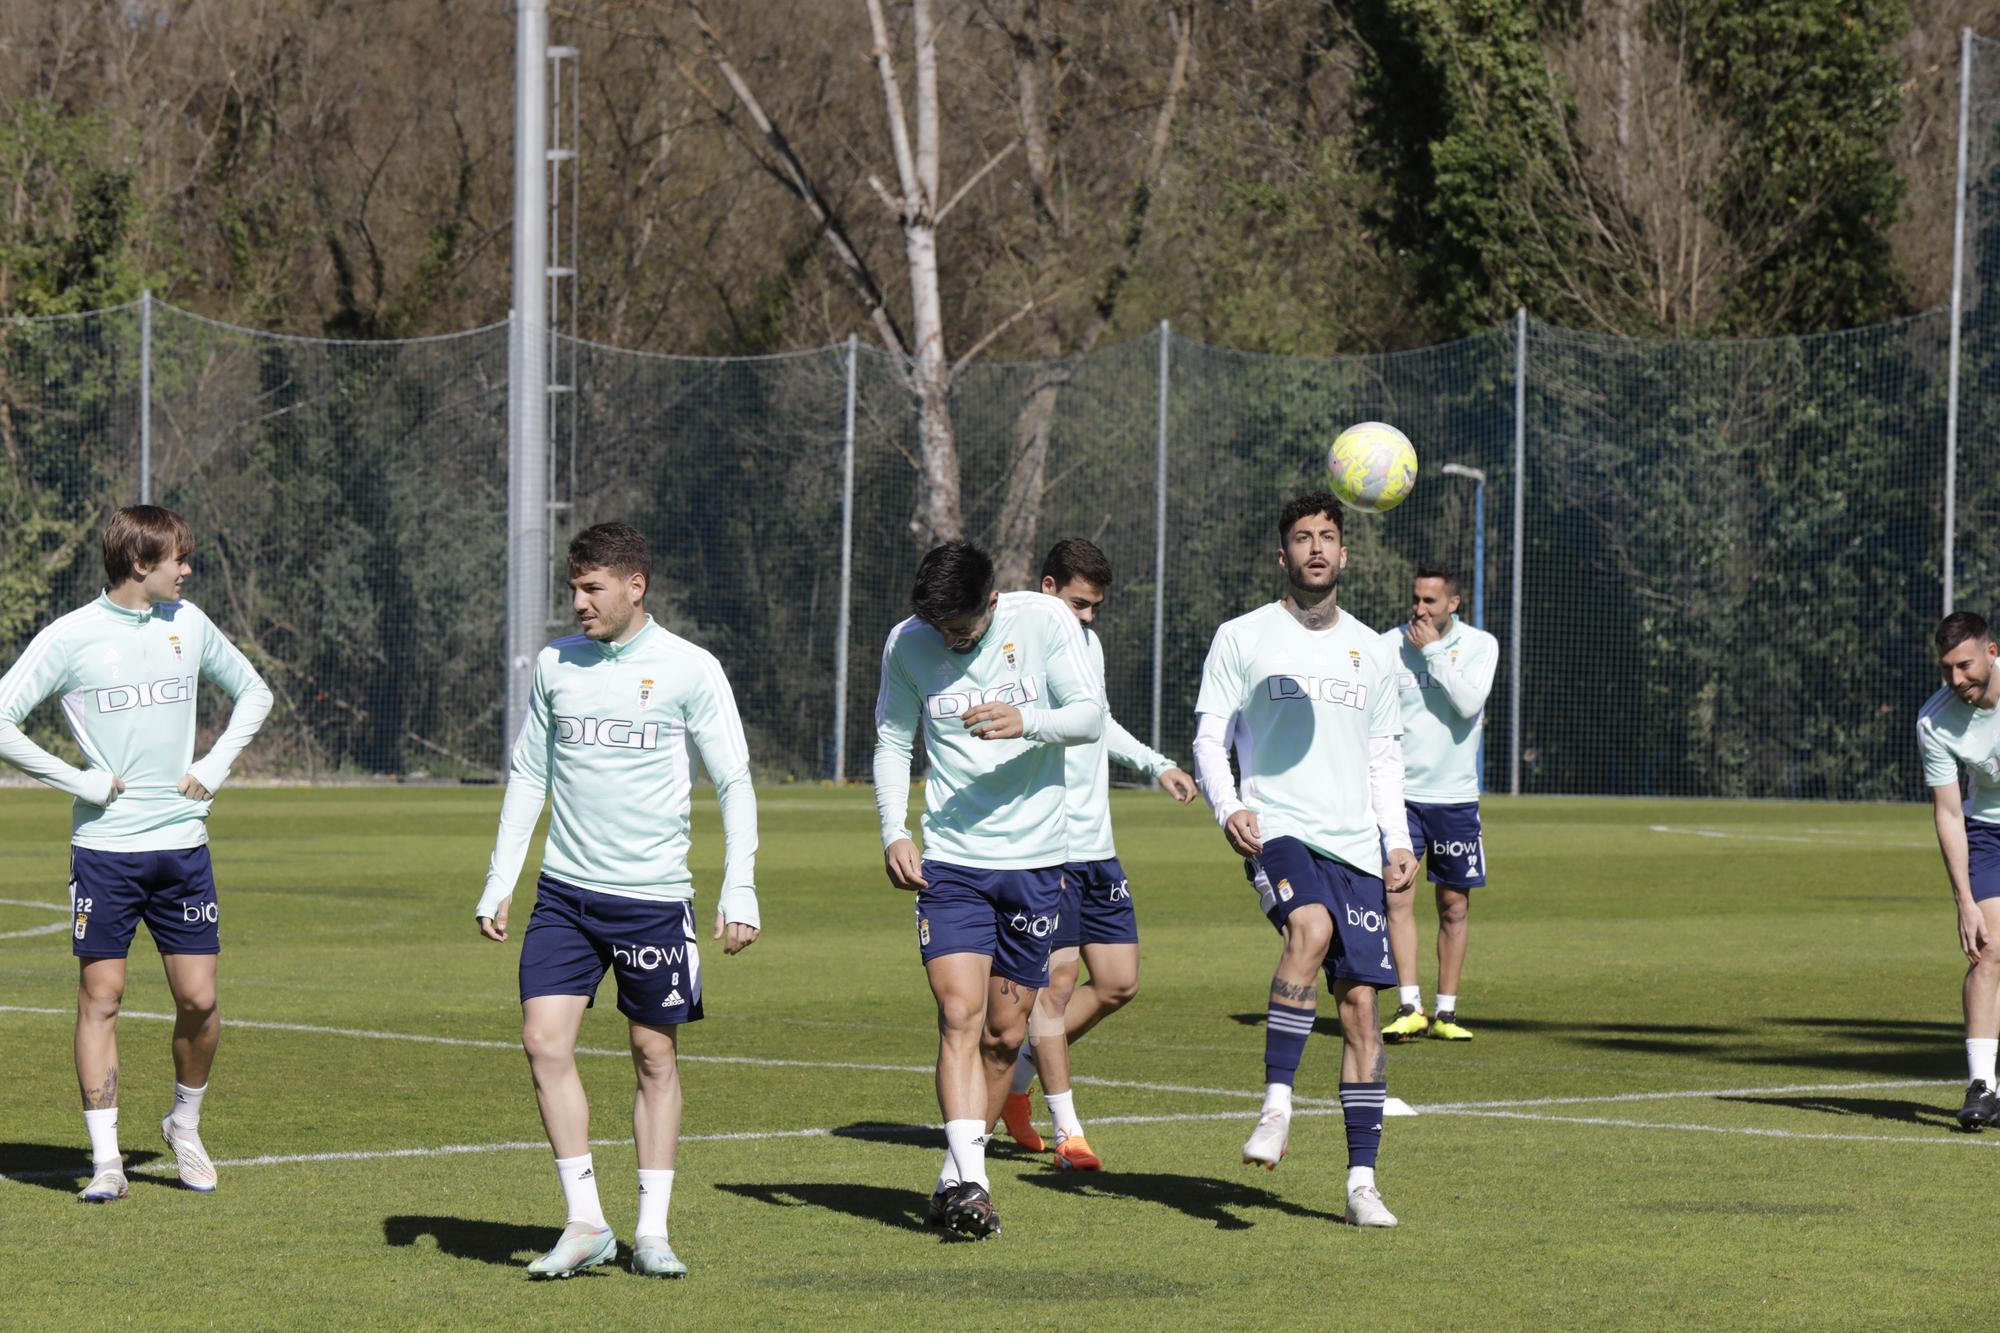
x=146 y=397
x=1520 y=527
x=1957 y=315
x=842 y=620
x=1160 y=537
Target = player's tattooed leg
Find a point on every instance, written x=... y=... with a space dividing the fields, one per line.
x=1294 y=994
x=105 y=1095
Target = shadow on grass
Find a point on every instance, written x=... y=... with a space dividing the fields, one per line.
x=900 y=1208
x=507 y=1244
x=1325 y=1025
x=1203 y=1198
x=924 y=1136
x=65 y=1167
x=1894 y=1110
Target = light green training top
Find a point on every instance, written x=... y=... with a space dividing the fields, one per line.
x=988 y=804
x=1953 y=735
x=612 y=735
x=1306 y=704
x=1087 y=771
x=127 y=684
x=1444 y=689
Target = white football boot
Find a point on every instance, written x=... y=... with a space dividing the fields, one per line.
x=1270 y=1141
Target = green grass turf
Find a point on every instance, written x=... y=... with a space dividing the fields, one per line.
x=1812 y=947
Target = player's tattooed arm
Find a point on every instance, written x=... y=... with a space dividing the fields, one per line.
x=104 y=1096
x=1285 y=990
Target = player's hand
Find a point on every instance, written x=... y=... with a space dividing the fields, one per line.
x=117 y=790
x=1973 y=935
x=994 y=722
x=1420 y=633
x=905 y=867
x=495 y=927
x=1178 y=785
x=1401 y=871
x=194 y=791
x=1241 y=830
x=736 y=936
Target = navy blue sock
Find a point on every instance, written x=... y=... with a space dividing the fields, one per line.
x=1361 y=1106
x=1285 y=1033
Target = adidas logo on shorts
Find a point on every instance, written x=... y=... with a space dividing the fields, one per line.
x=673 y=998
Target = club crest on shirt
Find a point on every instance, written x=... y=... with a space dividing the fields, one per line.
x=1013 y=663
x=646 y=692
x=1354 y=657
x=174 y=641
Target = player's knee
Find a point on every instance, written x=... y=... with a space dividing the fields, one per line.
x=1451 y=912
x=657 y=1068
x=1308 y=934
x=99 y=1005
x=1116 y=992
x=544 y=1042
x=958 y=1013
x=196 y=1005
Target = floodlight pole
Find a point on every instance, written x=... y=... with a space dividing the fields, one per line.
x=1478 y=478
x=1160 y=535
x=528 y=368
x=1957 y=318
x=146 y=397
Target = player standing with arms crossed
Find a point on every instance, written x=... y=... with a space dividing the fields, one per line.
x=126 y=667
x=1098 y=926
x=1000 y=683
x=1958 y=731
x=1446 y=672
x=618 y=716
x=1312 y=692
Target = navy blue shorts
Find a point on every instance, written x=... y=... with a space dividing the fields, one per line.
x=1289 y=875
x=1982 y=845
x=1009 y=915
x=1448 y=836
x=1097 y=906
x=173 y=891
x=576 y=935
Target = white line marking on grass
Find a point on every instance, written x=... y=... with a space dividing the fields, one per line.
x=1770 y=837
x=53 y=928
x=482 y=1043
x=1466 y=1108
x=1954 y=1140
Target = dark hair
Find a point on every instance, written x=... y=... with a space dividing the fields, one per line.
x=1433 y=570
x=1959 y=626
x=1312 y=502
x=1075 y=558
x=618 y=547
x=953 y=579
x=143 y=535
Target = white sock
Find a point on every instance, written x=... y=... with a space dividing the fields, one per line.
x=103 y=1127
x=1357 y=1176
x=1278 y=1097
x=1024 y=1069
x=579 y=1187
x=1062 y=1107
x=656 y=1191
x=187 y=1105
x=1447 y=1004
x=1412 y=996
x=947 y=1174
x=1979 y=1058
x=968 y=1149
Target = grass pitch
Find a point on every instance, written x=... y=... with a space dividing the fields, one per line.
x=1717 y=1055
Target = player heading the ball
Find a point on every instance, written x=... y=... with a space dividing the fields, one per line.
x=617 y=717
x=126 y=667
x=1307 y=695
x=999 y=684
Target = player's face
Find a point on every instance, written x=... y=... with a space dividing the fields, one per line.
x=1968 y=668
x=1433 y=603
x=1313 y=556
x=162 y=582
x=1081 y=596
x=963 y=633
x=606 y=604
